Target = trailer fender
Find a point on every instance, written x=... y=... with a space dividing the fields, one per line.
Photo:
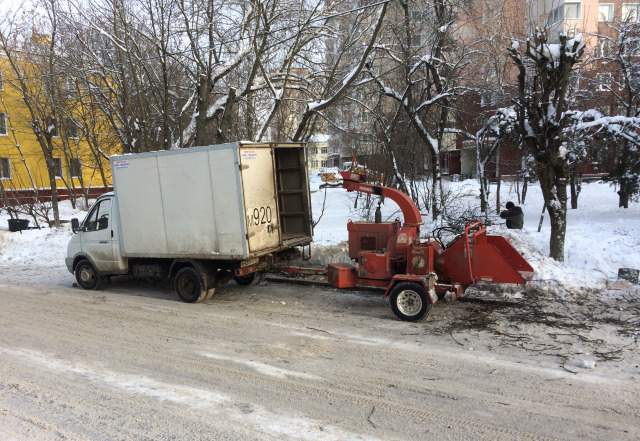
x=428 y=282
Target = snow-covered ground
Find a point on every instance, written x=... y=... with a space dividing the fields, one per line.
x=44 y=247
x=600 y=237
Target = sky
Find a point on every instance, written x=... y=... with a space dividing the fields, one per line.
x=13 y=4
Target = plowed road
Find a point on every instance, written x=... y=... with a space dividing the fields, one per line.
x=275 y=362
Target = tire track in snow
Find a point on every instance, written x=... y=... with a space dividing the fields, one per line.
x=262 y=420
x=261 y=368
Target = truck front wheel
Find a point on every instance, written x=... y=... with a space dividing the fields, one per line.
x=190 y=285
x=87 y=276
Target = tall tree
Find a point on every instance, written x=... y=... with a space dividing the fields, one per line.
x=544 y=72
x=625 y=88
x=419 y=71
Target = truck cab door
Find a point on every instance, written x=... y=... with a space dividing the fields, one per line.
x=97 y=236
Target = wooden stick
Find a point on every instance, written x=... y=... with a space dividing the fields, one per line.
x=544 y=207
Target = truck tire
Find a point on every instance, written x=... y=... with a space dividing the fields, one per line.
x=87 y=276
x=190 y=285
x=245 y=280
x=409 y=301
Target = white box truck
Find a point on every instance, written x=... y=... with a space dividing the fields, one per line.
x=197 y=216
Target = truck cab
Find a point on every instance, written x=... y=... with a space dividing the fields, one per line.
x=93 y=251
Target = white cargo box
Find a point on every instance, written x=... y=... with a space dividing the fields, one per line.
x=230 y=201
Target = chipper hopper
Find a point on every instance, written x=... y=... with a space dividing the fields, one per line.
x=415 y=272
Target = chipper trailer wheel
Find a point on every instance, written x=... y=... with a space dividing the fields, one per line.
x=409 y=301
x=190 y=285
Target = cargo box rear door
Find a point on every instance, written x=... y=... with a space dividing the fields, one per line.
x=261 y=209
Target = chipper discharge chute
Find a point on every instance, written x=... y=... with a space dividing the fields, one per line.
x=414 y=272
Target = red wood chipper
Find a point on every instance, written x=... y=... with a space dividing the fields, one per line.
x=415 y=272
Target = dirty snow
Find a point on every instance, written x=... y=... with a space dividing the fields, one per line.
x=262 y=420
x=261 y=368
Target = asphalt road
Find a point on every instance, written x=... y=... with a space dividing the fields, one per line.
x=276 y=362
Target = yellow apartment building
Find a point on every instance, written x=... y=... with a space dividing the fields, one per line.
x=22 y=161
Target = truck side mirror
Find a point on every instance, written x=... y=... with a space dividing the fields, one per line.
x=75 y=225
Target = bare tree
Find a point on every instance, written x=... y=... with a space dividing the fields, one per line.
x=423 y=78
x=542 y=108
x=623 y=53
x=33 y=63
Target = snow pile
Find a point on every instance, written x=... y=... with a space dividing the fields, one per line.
x=43 y=247
x=600 y=238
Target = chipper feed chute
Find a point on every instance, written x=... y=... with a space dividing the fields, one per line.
x=476 y=256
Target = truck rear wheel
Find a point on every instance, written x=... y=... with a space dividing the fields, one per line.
x=190 y=285
x=409 y=301
x=245 y=280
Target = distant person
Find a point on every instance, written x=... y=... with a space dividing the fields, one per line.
x=514 y=216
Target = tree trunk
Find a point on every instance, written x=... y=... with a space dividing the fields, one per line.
x=499 y=179
x=54 y=190
x=557 y=218
x=483 y=198
x=481 y=180
x=225 y=125
x=623 y=195
x=525 y=179
x=436 y=181
x=554 y=191
x=202 y=105
x=574 y=191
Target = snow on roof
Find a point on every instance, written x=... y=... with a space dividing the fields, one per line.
x=320 y=137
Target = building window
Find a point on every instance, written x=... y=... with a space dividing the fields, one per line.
x=603 y=81
x=324 y=150
x=72 y=129
x=555 y=15
x=1 y=81
x=57 y=167
x=572 y=11
x=52 y=128
x=602 y=48
x=630 y=12
x=5 y=168
x=3 y=123
x=605 y=12
x=75 y=168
